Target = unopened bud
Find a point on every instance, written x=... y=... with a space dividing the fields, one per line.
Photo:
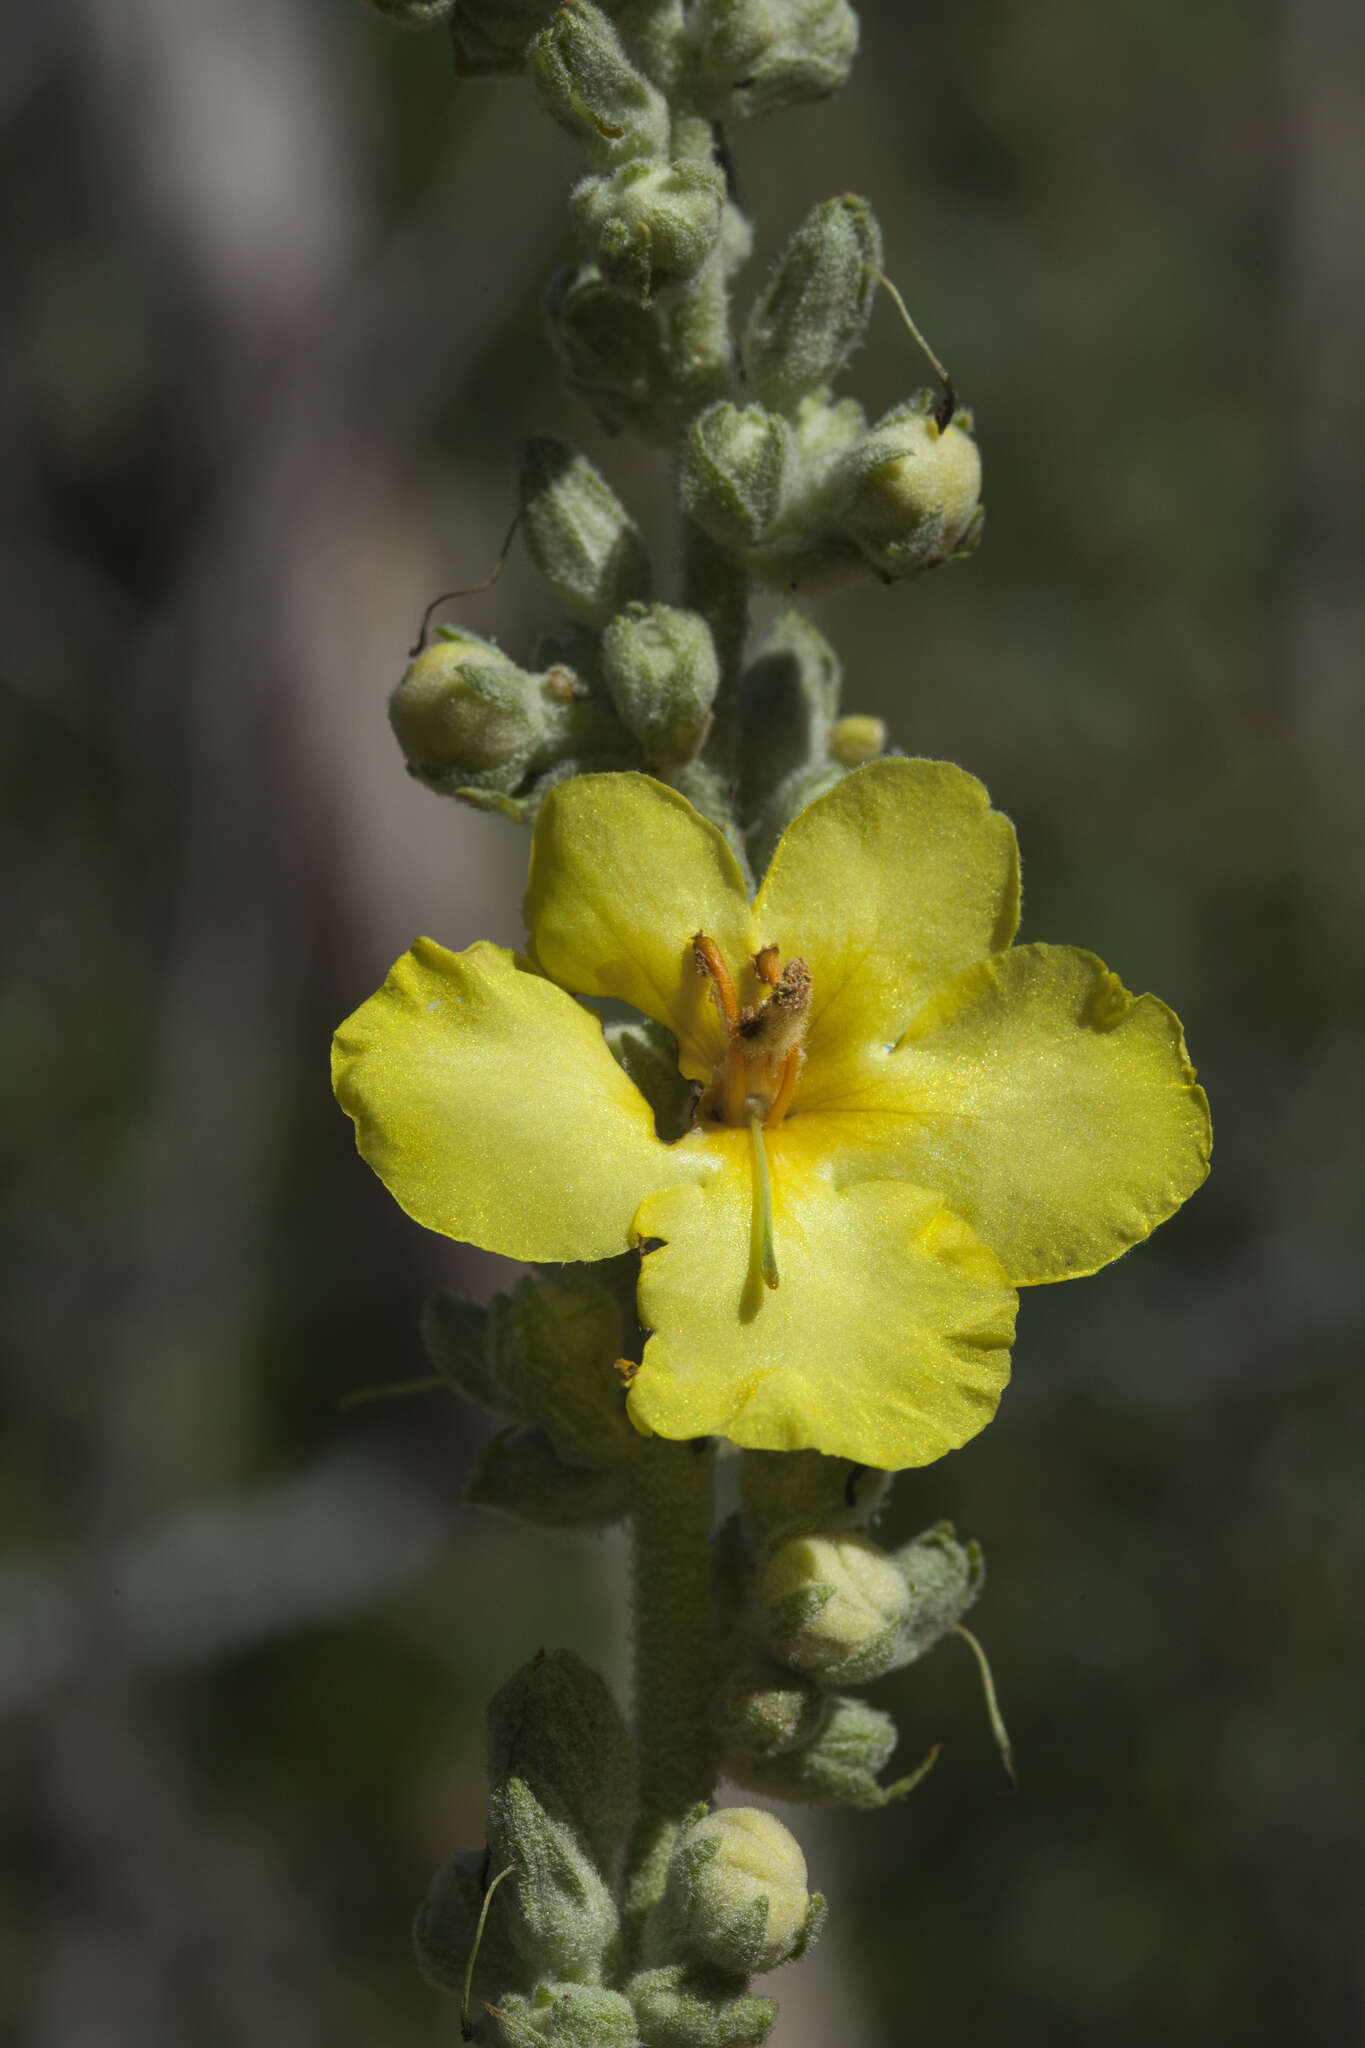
x=788 y=696
x=736 y=472
x=589 y=84
x=648 y=1053
x=911 y=492
x=561 y=2016
x=758 y=55
x=651 y=225
x=462 y=704
x=660 y=666
x=857 y=740
x=613 y=351
x=832 y=1606
x=737 y=1894
x=814 y=308
x=762 y=1710
x=943 y=1578
x=555 y=1725
x=579 y=534
x=447 y=1923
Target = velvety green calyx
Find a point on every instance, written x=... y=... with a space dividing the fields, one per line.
x=833 y=1606
x=565 y=2016
x=521 y=1473
x=814 y=308
x=943 y=1579
x=446 y=1927
x=561 y=1916
x=908 y=491
x=589 y=84
x=557 y=1342
x=613 y=352
x=651 y=225
x=649 y=1054
x=788 y=697
x=840 y=1766
x=661 y=670
x=735 y=472
x=679 y=2007
x=579 y=534
x=555 y=1725
x=763 y=1710
x=759 y=55
x=456 y=1336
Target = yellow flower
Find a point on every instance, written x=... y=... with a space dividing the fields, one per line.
x=903 y=1117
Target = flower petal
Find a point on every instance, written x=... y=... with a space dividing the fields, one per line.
x=901 y=876
x=488 y=1104
x=623 y=873
x=887 y=1339
x=1055 y=1111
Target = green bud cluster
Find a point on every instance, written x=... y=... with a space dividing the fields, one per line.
x=814 y=1604
x=528 y=1931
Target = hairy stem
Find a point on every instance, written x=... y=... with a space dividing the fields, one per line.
x=671 y=1572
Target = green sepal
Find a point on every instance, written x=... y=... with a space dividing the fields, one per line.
x=588 y=83
x=447 y=1922
x=907 y=492
x=781 y=1492
x=681 y=2008
x=788 y=699
x=814 y=308
x=648 y=1052
x=555 y=1725
x=456 y=1336
x=556 y=1342
x=944 y=1578
x=521 y=1473
x=736 y=1897
x=561 y=1915
x=840 y=1767
x=567 y=2016
x=579 y=534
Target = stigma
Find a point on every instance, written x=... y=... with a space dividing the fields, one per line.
x=756 y=1081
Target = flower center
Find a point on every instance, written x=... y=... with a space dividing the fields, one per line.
x=756 y=1080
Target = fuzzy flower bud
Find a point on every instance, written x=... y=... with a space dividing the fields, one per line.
x=840 y=1766
x=588 y=83
x=735 y=472
x=762 y=1710
x=757 y=55
x=678 y=2007
x=737 y=1892
x=651 y=225
x=463 y=705
x=613 y=352
x=832 y=1606
x=660 y=666
x=856 y=740
x=579 y=534
x=910 y=492
x=814 y=308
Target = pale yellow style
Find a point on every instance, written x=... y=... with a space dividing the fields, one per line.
x=942 y=1117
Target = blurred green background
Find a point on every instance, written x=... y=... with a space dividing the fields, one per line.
x=269 y=343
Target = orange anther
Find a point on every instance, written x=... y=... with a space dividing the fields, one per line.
x=768 y=965
x=706 y=953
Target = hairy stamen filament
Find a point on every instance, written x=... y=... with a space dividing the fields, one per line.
x=786 y=1087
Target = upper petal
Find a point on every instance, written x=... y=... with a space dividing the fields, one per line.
x=623 y=873
x=886 y=1341
x=1055 y=1111
x=899 y=877
x=488 y=1104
